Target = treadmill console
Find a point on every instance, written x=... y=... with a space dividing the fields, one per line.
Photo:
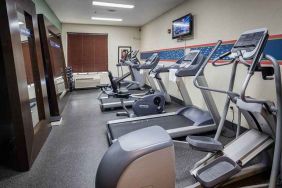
x=191 y=63
x=189 y=59
x=249 y=43
x=184 y=62
x=151 y=59
x=150 y=63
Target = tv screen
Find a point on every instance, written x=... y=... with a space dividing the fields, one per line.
x=182 y=26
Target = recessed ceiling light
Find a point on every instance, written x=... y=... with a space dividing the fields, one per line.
x=20 y=23
x=104 y=4
x=107 y=19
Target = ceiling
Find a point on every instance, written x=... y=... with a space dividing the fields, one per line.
x=81 y=11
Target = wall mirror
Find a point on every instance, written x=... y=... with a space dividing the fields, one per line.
x=54 y=66
x=58 y=64
x=28 y=54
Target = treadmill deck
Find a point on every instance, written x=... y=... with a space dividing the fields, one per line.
x=166 y=122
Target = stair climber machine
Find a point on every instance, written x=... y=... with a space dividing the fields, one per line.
x=136 y=75
x=226 y=165
x=145 y=158
x=137 y=81
x=107 y=101
x=185 y=121
x=121 y=63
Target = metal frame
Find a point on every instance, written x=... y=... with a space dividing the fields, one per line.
x=164 y=90
x=210 y=103
x=183 y=91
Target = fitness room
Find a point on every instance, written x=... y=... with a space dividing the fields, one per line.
x=140 y=94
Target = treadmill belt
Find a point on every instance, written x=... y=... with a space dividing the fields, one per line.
x=166 y=122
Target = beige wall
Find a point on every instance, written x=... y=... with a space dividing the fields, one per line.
x=214 y=20
x=117 y=36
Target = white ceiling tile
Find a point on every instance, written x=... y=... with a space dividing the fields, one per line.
x=81 y=11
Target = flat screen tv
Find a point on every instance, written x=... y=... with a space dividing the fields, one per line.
x=182 y=26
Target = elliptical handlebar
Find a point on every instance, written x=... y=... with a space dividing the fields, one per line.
x=276 y=165
x=238 y=58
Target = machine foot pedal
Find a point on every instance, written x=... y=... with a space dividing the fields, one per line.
x=204 y=143
x=217 y=171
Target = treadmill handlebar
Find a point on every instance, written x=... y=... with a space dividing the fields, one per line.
x=201 y=71
x=221 y=57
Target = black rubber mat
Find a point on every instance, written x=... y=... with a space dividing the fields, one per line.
x=167 y=122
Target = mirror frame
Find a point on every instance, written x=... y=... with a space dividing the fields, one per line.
x=25 y=141
x=56 y=103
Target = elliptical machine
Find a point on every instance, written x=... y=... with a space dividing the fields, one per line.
x=133 y=63
x=226 y=165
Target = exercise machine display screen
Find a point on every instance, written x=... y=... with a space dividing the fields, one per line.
x=249 y=42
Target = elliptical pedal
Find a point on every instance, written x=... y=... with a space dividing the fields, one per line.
x=217 y=171
x=204 y=143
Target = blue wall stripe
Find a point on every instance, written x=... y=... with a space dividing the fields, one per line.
x=273 y=47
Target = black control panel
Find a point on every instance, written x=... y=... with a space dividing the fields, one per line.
x=191 y=56
x=249 y=43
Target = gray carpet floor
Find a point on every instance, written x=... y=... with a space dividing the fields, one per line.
x=72 y=152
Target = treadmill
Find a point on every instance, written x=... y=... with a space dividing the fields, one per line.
x=154 y=77
x=185 y=121
x=107 y=102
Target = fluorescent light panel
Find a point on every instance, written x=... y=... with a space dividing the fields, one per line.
x=116 y=5
x=106 y=19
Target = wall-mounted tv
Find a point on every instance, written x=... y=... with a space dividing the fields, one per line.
x=182 y=26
